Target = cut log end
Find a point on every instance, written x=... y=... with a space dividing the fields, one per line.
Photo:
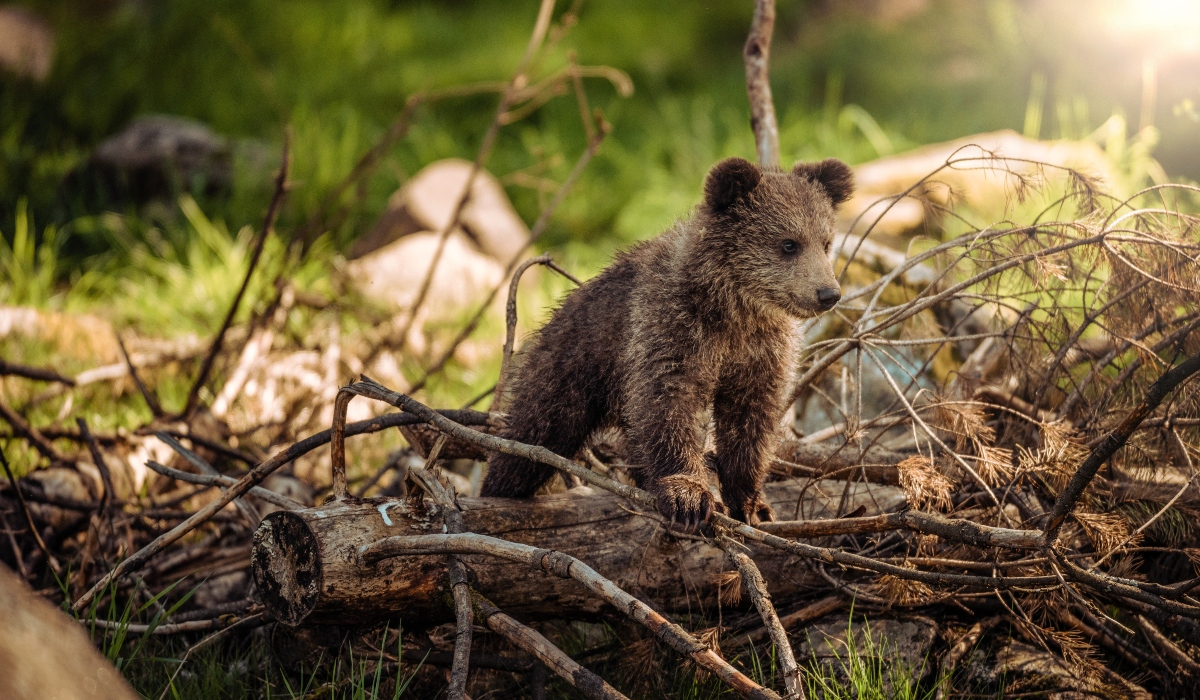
x=287 y=567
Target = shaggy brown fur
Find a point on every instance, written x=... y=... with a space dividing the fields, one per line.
x=703 y=316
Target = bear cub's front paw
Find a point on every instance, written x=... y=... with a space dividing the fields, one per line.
x=685 y=500
x=752 y=510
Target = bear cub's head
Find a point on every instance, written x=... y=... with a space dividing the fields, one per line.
x=772 y=230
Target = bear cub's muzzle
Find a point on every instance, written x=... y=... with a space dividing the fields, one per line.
x=828 y=297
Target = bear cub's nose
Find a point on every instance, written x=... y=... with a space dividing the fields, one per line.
x=827 y=297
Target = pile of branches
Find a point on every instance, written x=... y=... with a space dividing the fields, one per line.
x=1014 y=425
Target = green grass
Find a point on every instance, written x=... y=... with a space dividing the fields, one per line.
x=235 y=667
x=861 y=670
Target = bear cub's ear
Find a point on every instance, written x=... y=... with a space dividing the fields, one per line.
x=832 y=174
x=729 y=181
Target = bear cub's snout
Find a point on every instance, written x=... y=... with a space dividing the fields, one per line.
x=828 y=297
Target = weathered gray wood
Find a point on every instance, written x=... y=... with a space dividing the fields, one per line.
x=307 y=569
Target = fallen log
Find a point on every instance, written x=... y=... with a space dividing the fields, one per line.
x=307 y=568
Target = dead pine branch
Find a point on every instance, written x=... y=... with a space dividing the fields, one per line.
x=536 y=453
x=1115 y=441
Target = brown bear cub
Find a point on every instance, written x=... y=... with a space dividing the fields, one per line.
x=705 y=316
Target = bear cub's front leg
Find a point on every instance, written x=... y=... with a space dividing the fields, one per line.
x=663 y=420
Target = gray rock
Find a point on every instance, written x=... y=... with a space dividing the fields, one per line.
x=1016 y=665
x=157 y=157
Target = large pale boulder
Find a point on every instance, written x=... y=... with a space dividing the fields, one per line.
x=44 y=654
x=394 y=273
x=979 y=181
x=427 y=203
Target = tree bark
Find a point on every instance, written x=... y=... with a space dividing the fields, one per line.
x=307 y=569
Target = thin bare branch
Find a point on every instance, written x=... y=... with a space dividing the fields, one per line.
x=148 y=395
x=11 y=369
x=753 y=580
x=588 y=683
x=268 y=227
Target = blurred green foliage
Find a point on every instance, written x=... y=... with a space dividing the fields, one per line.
x=855 y=80
x=339 y=72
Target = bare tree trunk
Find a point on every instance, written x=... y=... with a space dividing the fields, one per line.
x=757 y=56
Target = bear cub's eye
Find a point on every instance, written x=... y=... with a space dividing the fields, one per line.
x=790 y=246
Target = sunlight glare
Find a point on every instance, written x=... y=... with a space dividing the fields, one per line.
x=1173 y=26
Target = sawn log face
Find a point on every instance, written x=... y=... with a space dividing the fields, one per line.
x=307 y=570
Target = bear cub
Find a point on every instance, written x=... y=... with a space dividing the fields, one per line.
x=705 y=316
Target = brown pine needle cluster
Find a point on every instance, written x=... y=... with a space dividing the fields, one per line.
x=1107 y=531
x=729 y=587
x=1056 y=460
x=899 y=591
x=924 y=485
